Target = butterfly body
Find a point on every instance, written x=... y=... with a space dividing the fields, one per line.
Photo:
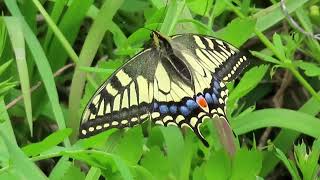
x=179 y=80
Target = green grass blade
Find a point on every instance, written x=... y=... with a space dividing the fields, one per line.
x=282 y=118
x=19 y=162
x=69 y=26
x=171 y=18
x=5 y=123
x=55 y=16
x=42 y=64
x=17 y=41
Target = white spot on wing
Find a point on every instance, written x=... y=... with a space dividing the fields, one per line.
x=111 y=90
x=199 y=42
x=167 y=118
x=116 y=103
x=163 y=78
x=133 y=95
x=193 y=121
x=96 y=99
x=209 y=42
x=123 y=78
x=100 y=112
x=125 y=103
x=143 y=90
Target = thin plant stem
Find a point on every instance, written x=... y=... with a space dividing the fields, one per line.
x=73 y=55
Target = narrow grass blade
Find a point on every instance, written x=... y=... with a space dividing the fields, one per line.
x=5 y=123
x=17 y=42
x=42 y=64
x=89 y=49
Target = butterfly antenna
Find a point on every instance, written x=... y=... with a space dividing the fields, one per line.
x=151 y=30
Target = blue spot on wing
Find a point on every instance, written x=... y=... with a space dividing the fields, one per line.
x=163 y=109
x=215 y=99
x=208 y=98
x=184 y=110
x=173 y=109
x=155 y=105
x=216 y=84
x=215 y=91
x=191 y=104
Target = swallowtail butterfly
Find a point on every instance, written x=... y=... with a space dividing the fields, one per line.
x=180 y=80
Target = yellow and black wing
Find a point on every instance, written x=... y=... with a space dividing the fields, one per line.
x=125 y=99
x=178 y=81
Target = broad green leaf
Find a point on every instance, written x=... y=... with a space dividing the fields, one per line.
x=198 y=172
x=246 y=164
x=200 y=7
x=60 y=169
x=129 y=148
x=74 y=173
x=158 y=3
x=218 y=8
x=155 y=162
x=174 y=147
x=282 y=118
x=232 y=34
x=134 y=5
x=218 y=166
x=49 y=142
x=310 y=69
x=105 y=161
x=249 y=81
x=142 y=173
x=4 y=155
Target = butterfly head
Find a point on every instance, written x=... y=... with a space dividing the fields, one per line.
x=159 y=40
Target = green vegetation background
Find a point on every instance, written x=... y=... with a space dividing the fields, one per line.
x=54 y=54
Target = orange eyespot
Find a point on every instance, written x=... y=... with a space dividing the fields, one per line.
x=202 y=102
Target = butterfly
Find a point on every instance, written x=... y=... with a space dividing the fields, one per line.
x=179 y=80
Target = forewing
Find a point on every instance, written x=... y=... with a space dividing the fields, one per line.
x=124 y=100
x=222 y=59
